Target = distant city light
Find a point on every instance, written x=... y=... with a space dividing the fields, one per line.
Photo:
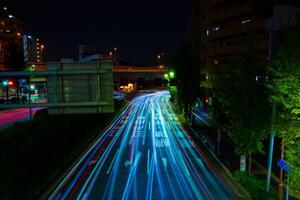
x=166 y=76
x=10 y=16
x=4 y=8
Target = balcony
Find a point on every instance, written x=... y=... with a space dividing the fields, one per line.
x=235 y=49
x=230 y=13
x=238 y=30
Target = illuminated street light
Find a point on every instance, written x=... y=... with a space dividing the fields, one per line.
x=172 y=74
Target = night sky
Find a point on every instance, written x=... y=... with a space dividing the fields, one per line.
x=139 y=29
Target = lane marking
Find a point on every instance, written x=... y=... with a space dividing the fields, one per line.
x=148 y=162
x=110 y=166
x=165 y=162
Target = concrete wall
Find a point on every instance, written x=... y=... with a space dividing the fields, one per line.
x=81 y=87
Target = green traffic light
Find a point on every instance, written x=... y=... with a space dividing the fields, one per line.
x=166 y=76
x=32 y=87
x=5 y=83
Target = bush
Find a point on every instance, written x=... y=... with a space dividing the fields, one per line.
x=255 y=187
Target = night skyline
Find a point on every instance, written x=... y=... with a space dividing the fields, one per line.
x=132 y=27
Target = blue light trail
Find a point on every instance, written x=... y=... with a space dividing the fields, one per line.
x=144 y=154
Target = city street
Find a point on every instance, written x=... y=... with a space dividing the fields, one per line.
x=143 y=154
x=8 y=117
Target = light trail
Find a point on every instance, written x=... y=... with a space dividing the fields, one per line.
x=11 y=116
x=144 y=154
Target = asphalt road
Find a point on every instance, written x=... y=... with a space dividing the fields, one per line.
x=143 y=154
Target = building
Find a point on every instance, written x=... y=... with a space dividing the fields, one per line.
x=34 y=51
x=11 y=31
x=221 y=30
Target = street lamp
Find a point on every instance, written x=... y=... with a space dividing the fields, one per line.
x=172 y=74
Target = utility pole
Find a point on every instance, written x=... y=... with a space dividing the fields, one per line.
x=280 y=186
x=271 y=147
x=272 y=133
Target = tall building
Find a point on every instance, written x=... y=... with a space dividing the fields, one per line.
x=220 y=30
x=11 y=31
x=33 y=50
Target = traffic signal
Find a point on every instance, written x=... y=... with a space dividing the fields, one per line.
x=4 y=83
x=32 y=87
x=10 y=83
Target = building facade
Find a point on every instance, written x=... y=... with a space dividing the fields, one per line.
x=221 y=30
x=34 y=51
x=11 y=41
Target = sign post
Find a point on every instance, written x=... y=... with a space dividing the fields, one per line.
x=285 y=166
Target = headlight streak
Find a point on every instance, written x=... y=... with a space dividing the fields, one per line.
x=94 y=147
x=150 y=153
x=198 y=154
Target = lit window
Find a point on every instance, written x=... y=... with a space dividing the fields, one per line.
x=217 y=28
x=246 y=21
x=216 y=62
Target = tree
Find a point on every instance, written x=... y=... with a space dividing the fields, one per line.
x=243 y=98
x=187 y=75
x=284 y=86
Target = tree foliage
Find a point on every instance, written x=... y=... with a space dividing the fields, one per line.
x=187 y=72
x=284 y=86
x=244 y=100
